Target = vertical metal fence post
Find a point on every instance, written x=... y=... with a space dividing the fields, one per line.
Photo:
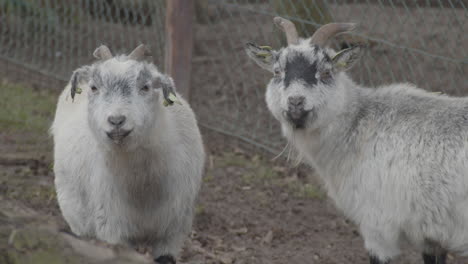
x=179 y=43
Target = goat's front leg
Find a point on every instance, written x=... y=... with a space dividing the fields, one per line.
x=167 y=247
x=438 y=258
x=170 y=240
x=166 y=259
x=381 y=245
x=433 y=253
x=376 y=260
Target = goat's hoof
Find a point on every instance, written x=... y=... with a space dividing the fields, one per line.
x=166 y=259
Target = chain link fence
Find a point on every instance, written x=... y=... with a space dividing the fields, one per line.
x=54 y=37
x=424 y=42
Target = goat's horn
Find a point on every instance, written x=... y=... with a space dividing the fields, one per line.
x=325 y=32
x=288 y=28
x=139 y=53
x=102 y=53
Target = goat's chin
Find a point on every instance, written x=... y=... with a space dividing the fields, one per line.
x=307 y=125
x=119 y=144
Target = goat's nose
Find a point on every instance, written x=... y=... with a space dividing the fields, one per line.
x=296 y=113
x=296 y=101
x=116 y=120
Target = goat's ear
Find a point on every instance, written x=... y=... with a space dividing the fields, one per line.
x=347 y=58
x=77 y=77
x=264 y=56
x=168 y=89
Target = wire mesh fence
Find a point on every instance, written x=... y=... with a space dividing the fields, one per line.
x=422 y=42
x=54 y=36
x=419 y=41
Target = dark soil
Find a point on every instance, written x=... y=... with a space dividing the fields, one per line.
x=250 y=209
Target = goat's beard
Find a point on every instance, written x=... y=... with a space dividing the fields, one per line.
x=293 y=153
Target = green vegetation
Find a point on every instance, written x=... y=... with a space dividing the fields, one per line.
x=22 y=184
x=306 y=190
x=24 y=109
x=257 y=170
x=33 y=245
x=25 y=117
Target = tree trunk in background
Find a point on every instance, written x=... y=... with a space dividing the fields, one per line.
x=179 y=43
x=315 y=11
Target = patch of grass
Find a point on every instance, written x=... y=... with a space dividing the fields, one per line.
x=25 y=109
x=22 y=186
x=208 y=177
x=199 y=209
x=249 y=178
x=231 y=159
x=257 y=170
x=306 y=190
x=256 y=167
x=260 y=172
x=264 y=169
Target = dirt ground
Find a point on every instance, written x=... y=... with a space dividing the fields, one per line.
x=250 y=209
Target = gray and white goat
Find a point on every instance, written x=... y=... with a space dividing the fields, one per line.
x=127 y=169
x=393 y=159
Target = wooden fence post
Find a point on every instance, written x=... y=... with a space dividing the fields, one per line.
x=179 y=43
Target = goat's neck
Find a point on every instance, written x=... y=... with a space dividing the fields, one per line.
x=325 y=144
x=151 y=153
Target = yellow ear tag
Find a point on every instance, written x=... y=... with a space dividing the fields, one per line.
x=266 y=47
x=165 y=103
x=77 y=91
x=341 y=64
x=263 y=54
x=336 y=55
x=174 y=99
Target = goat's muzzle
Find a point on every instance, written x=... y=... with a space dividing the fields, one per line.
x=117 y=135
x=296 y=114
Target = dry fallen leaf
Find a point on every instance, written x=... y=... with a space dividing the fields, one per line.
x=280 y=169
x=268 y=237
x=226 y=259
x=239 y=249
x=239 y=231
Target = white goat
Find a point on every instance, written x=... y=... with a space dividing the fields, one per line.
x=127 y=169
x=394 y=159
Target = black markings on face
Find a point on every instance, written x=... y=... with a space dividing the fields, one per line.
x=111 y=84
x=121 y=86
x=97 y=79
x=167 y=88
x=277 y=79
x=326 y=58
x=316 y=49
x=144 y=78
x=300 y=68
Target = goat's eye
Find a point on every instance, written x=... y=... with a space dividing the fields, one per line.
x=145 y=88
x=326 y=75
x=277 y=72
x=94 y=88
